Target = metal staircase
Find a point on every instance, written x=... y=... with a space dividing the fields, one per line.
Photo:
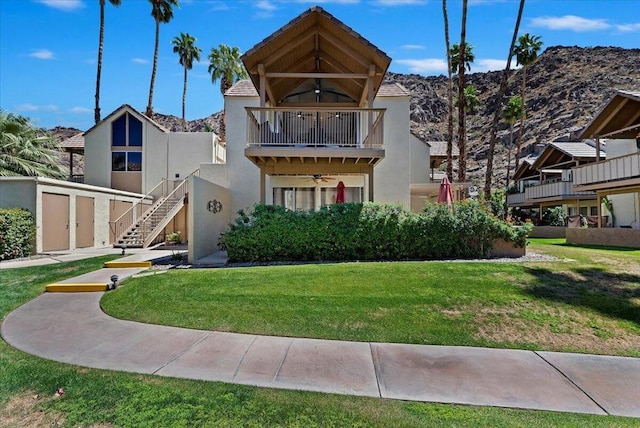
x=142 y=224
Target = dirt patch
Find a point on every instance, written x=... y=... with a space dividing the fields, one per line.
x=22 y=411
x=550 y=328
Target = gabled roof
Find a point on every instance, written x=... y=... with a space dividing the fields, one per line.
x=242 y=88
x=566 y=154
x=393 y=89
x=525 y=168
x=74 y=144
x=439 y=149
x=618 y=118
x=315 y=42
x=122 y=109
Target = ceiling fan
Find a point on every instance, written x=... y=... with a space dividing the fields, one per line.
x=321 y=178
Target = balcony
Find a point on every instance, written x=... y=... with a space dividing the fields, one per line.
x=548 y=192
x=315 y=135
x=610 y=174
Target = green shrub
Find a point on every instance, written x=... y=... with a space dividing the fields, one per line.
x=17 y=233
x=367 y=231
x=553 y=216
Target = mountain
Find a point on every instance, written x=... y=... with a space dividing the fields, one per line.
x=565 y=88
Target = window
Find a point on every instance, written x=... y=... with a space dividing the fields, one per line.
x=126 y=131
x=126 y=161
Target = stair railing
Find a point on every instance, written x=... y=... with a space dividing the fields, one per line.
x=171 y=204
x=123 y=223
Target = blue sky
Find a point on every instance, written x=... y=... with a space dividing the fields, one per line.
x=48 y=48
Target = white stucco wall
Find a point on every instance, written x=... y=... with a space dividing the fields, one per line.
x=392 y=176
x=242 y=175
x=206 y=226
x=97 y=155
x=617 y=148
x=626 y=206
x=18 y=192
x=420 y=160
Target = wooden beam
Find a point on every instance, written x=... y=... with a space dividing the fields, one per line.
x=315 y=75
x=619 y=131
x=609 y=116
x=286 y=49
x=340 y=45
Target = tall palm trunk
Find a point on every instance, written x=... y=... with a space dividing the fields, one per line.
x=449 y=95
x=521 y=130
x=96 y=114
x=149 y=111
x=506 y=184
x=225 y=84
x=184 y=100
x=497 y=108
x=462 y=140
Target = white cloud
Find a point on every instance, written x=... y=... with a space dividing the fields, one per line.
x=570 y=23
x=42 y=54
x=34 y=107
x=64 y=5
x=412 y=47
x=80 y=110
x=425 y=65
x=140 y=60
x=399 y=2
x=265 y=5
x=629 y=28
x=218 y=5
x=488 y=64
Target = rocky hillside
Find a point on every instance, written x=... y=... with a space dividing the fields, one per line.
x=565 y=88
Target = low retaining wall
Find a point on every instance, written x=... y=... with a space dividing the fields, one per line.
x=504 y=249
x=548 y=232
x=615 y=237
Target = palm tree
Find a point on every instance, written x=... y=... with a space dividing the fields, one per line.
x=27 y=150
x=162 y=12
x=116 y=3
x=513 y=111
x=464 y=53
x=449 y=94
x=497 y=107
x=186 y=49
x=225 y=66
x=526 y=53
x=471 y=101
x=469 y=57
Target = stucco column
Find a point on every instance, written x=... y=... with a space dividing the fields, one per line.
x=371 y=185
x=263 y=186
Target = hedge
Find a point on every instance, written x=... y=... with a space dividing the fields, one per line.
x=367 y=231
x=17 y=233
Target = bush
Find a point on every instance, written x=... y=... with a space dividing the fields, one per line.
x=367 y=231
x=174 y=238
x=17 y=233
x=553 y=217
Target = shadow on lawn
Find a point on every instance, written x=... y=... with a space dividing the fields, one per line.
x=614 y=295
x=595 y=247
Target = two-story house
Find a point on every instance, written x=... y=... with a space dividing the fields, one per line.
x=546 y=180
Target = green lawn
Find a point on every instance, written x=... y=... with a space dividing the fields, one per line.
x=119 y=399
x=587 y=301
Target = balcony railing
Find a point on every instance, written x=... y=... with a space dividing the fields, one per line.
x=315 y=127
x=624 y=167
x=548 y=190
x=515 y=198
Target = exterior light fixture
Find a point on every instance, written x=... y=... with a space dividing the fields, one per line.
x=123 y=247
x=114 y=282
x=317 y=90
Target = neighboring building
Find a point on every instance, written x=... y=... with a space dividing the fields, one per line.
x=546 y=180
x=618 y=177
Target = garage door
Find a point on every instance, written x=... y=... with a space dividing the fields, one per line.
x=84 y=222
x=55 y=222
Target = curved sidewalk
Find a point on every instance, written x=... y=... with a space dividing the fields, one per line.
x=71 y=328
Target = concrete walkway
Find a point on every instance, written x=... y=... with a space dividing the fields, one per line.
x=71 y=328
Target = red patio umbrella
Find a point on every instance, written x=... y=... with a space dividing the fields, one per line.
x=445 y=195
x=340 y=193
